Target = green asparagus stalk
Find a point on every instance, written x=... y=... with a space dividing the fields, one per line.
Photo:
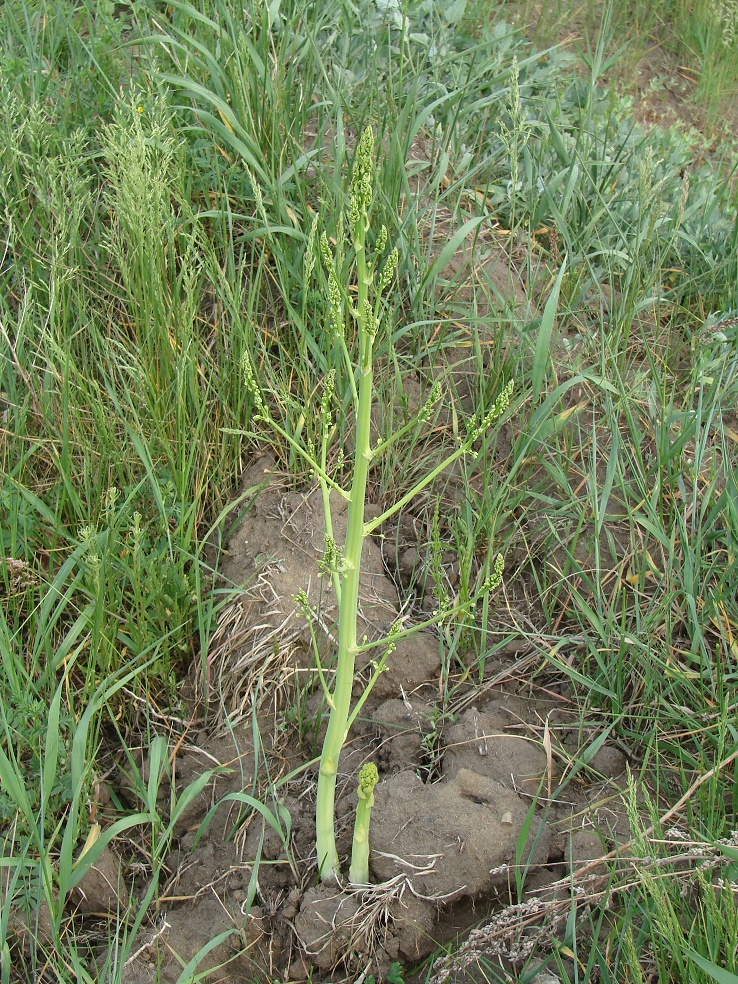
x=359 y=870
x=344 y=566
x=366 y=319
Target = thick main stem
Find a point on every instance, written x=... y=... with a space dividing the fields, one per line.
x=348 y=609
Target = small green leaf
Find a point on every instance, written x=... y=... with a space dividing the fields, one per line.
x=51 y=753
x=188 y=975
x=455 y=11
x=395 y=974
x=83 y=864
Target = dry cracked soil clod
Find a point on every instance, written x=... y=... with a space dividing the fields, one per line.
x=453 y=839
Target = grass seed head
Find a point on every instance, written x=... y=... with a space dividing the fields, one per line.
x=252 y=386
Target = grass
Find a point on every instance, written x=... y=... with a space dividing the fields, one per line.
x=162 y=167
x=669 y=48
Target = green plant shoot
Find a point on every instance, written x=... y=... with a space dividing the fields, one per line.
x=359 y=870
x=345 y=565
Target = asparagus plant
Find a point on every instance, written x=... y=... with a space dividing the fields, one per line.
x=344 y=564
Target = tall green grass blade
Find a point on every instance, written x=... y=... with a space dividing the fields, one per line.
x=444 y=257
x=542 y=354
x=275 y=822
x=13 y=785
x=5 y=963
x=610 y=472
x=90 y=856
x=81 y=763
x=51 y=751
x=718 y=974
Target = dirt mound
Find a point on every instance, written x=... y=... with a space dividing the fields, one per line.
x=249 y=882
x=453 y=839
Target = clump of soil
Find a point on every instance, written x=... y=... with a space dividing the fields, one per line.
x=465 y=796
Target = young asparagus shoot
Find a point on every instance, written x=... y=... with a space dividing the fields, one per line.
x=359 y=870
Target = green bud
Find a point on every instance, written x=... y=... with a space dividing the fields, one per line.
x=389 y=271
x=360 y=193
x=359 y=870
x=368 y=779
x=382 y=239
x=494 y=579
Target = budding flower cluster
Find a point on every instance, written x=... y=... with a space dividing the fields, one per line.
x=371 y=324
x=494 y=579
x=301 y=600
x=332 y=558
x=360 y=199
x=389 y=270
x=497 y=409
x=334 y=290
x=326 y=403
x=334 y=300
x=368 y=779
x=391 y=643
x=325 y=250
x=249 y=378
x=433 y=397
x=382 y=239
x=258 y=199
